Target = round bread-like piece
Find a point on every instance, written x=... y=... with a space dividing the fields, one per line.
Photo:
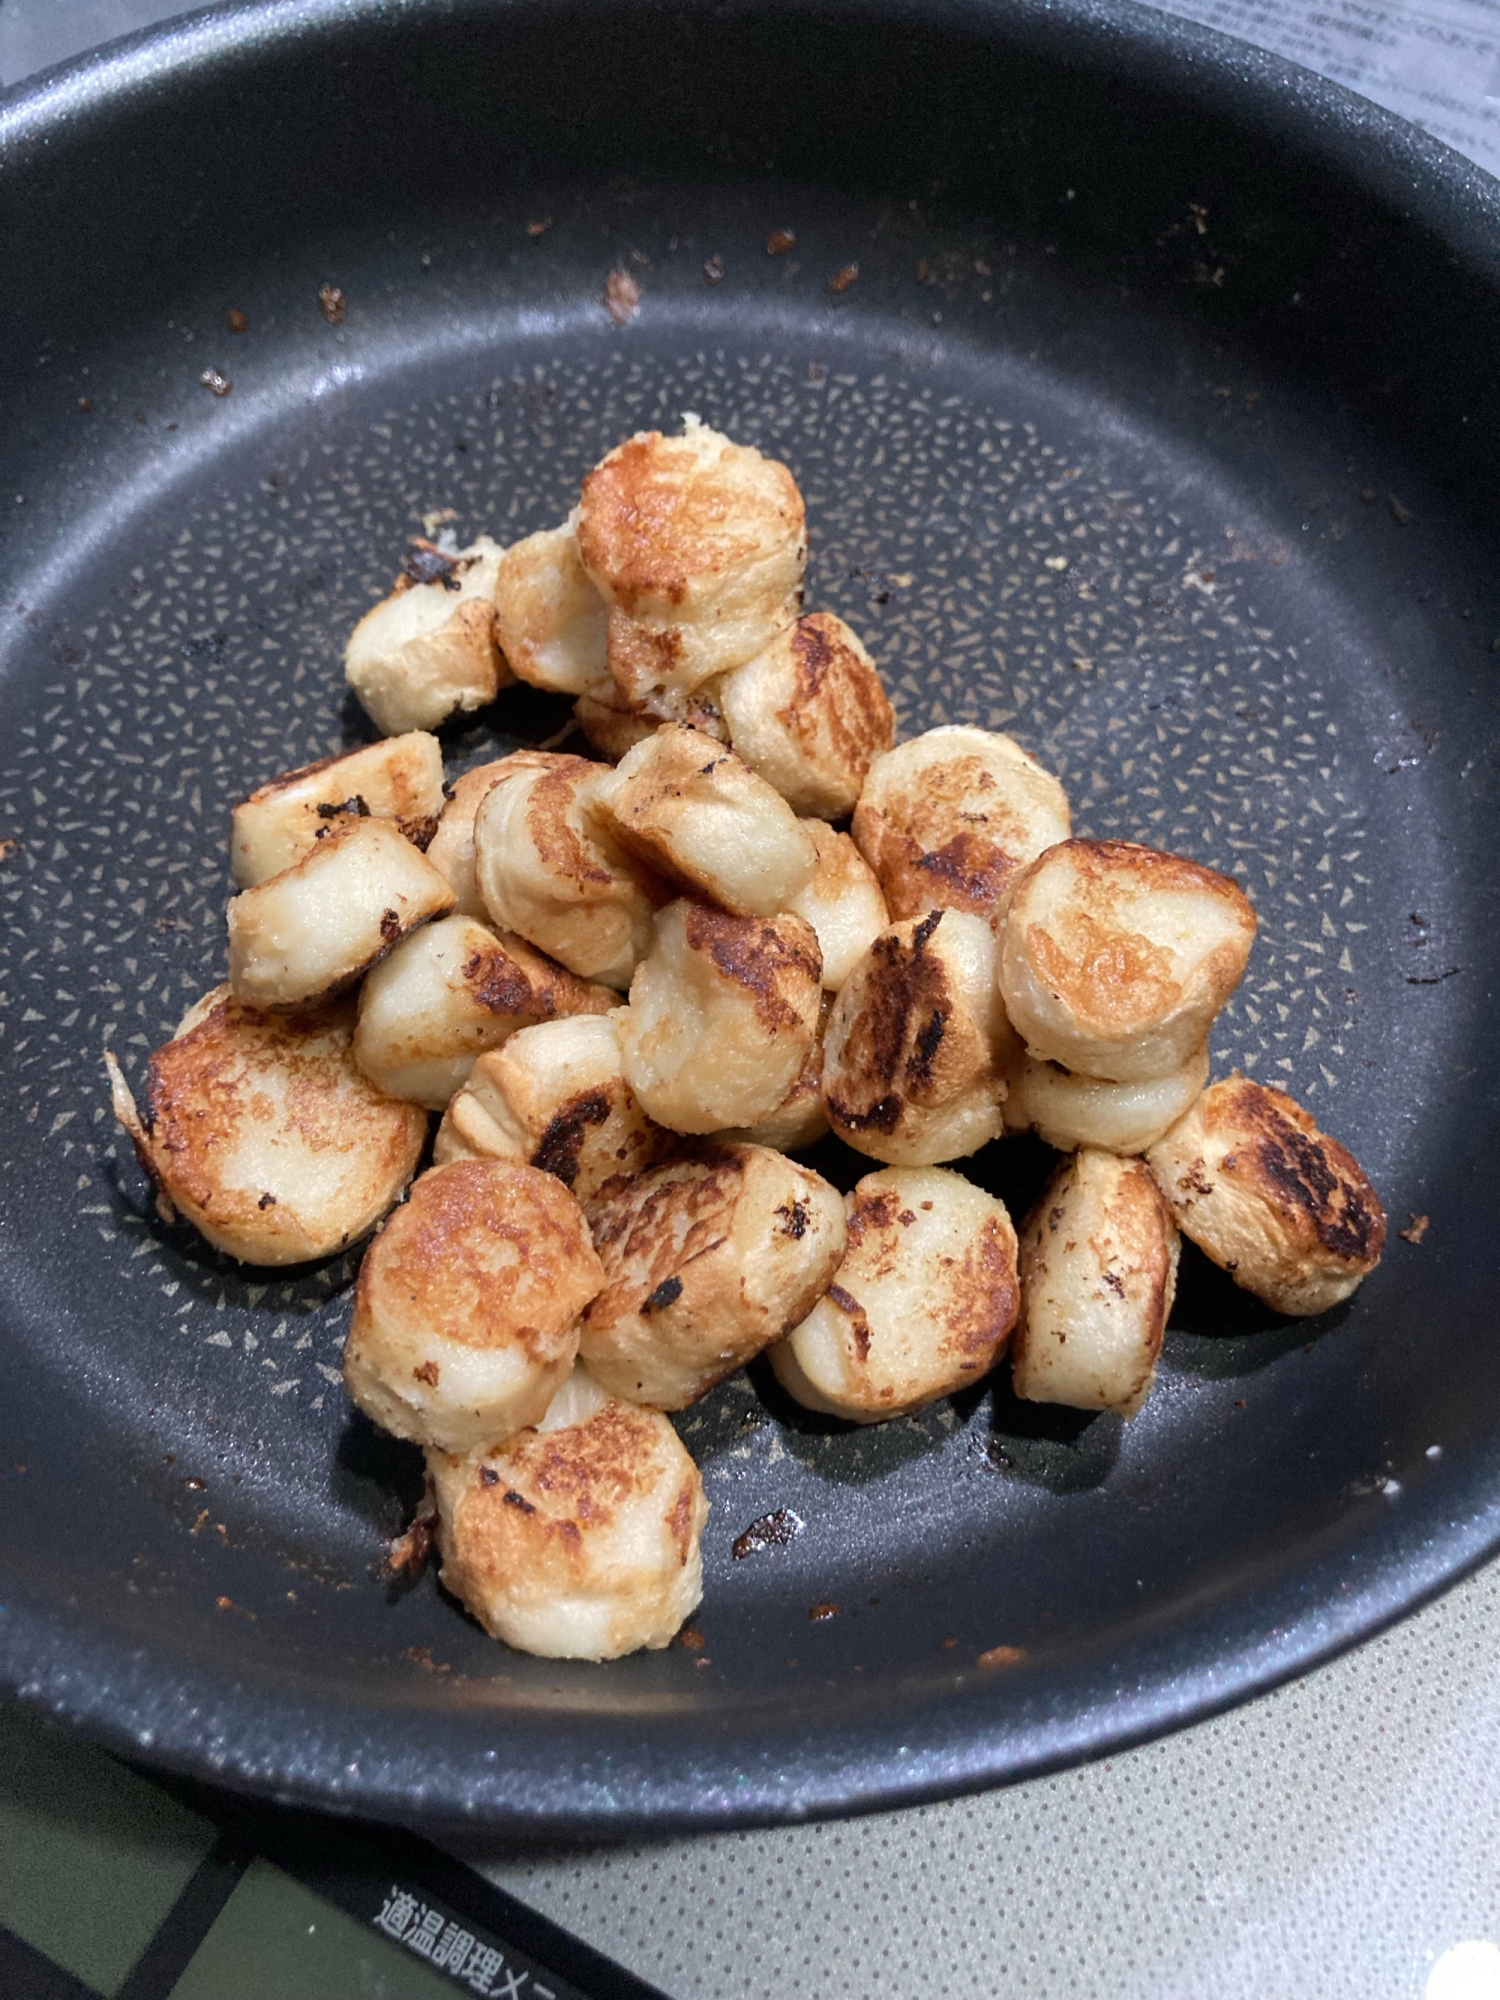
x=801 y=1118
x=449 y=993
x=428 y=650
x=263 y=1132
x=554 y=1097
x=809 y=715
x=614 y=724
x=1070 y=1111
x=400 y=779
x=580 y=1539
x=1115 y=958
x=723 y=1014
x=699 y=547
x=303 y=935
x=843 y=903
x=1284 y=1209
x=466 y=1313
x=949 y=820
x=1098 y=1275
x=915 y=1055
x=451 y=849
x=707 y=1259
x=549 y=618
x=922 y=1304
x=702 y=820
x=549 y=869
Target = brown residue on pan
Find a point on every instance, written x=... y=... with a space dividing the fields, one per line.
x=622 y=297
x=772 y=1531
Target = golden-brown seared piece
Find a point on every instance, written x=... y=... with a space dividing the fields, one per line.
x=914 y=1060
x=554 y=1097
x=466 y=1313
x=922 y=1304
x=400 y=779
x=1280 y=1206
x=707 y=1259
x=614 y=724
x=262 y=1131
x=1115 y=958
x=702 y=820
x=310 y=931
x=722 y=1016
x=699 y=547
x=842 y=902
x=448 y=994
x=801 y=1118
x=809 y=714
x=548 y=868
x=1069 y=1111
x=549 y=618
x=1098 y=1274
x=949 y=820
x=451 y=849
x=428 y=650
x=580 y=1539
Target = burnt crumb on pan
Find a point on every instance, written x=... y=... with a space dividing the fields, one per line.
x=667 y=1293
x=843 y=278
x=408 y=1555
x=8 y=847
x=1416 y=1228
x=332 y=304
x=540 y=226
x=1399 y=514
x=85 y=403
x=622 y=297
x=1001 y=1656
x=236 y=321
x=425 y=563
x=1433 y=978
x=780 y=241
x=772 y=1531
x=215 y=380
x=692 y=1639
x=819 y=1614
x=713 y=270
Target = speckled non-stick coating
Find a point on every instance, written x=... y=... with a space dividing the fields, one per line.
x=1233 y=616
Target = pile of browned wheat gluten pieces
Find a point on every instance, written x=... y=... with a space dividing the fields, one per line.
x=637 y=985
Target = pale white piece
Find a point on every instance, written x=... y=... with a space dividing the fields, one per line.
x=917 y=1047
x=451 y=849
x=580 y=1539
x=949 y=820
x=809 y=715
x=843 y=903
x=801 y=1118
x=554 y=1097
x=708 y=1259
x=614 y=724
x=313 y=929
x=400 y=778
x=1098 y=1275
x=922 y=1304
x=466 y=1313
x=1069 y=1111
x=1115 y=958
x=549 y=868
x=723 y=1014
x=1287 y=1211
x=698 y=818
x=698 y=545
x=261 y=1130
x=450 y=992
x=428 y=651
x=549 y=618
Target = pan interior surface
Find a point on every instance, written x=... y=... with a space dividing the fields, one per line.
x=1064 y=484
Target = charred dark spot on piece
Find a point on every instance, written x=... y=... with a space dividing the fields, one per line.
x=925 y=929
x=929 y=1040
x=518 y=1500
x=407 y=1556
x=424 y=562
x=560 y=1145
x=419 y=831
x=267 y=1200
x=794 y=1218
x=390 y=925
x=488 y=1476
x=883 y=1115
x=854 y=1312
x=1304 y=1175
x=428 y=1373
x=755 y=955
x=1115 y=1283
x=772 y=1531
x=667 y=1293
x=355 y=806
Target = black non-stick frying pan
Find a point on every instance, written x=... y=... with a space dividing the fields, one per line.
x=1159 y=426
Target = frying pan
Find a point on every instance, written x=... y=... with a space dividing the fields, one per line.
x=1158 y=427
